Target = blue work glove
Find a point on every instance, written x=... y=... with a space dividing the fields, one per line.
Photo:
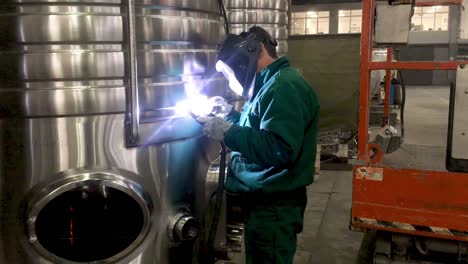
x=243 y=177
x=214 y=127
x=234 y=185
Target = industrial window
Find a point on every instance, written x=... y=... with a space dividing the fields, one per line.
x=310 y=23
x=433 y=18
x=349 y=21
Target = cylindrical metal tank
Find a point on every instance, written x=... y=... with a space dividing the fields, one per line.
x=271 y=15
x=70 y=189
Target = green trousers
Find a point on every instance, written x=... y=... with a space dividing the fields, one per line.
x=271 y=229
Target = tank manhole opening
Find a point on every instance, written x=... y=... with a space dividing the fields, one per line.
x=89 y=223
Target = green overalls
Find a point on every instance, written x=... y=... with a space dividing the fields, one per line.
x=273 y=144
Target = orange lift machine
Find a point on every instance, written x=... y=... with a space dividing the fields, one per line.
x=419 y=213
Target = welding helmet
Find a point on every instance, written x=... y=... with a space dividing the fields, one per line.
x=237 y=60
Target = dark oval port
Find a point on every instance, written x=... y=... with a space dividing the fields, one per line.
x=89 y=223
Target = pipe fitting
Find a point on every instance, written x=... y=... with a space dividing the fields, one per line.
x=183 y=227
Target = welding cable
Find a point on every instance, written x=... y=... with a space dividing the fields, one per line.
x=331 y=158
x=207 y=252
x=219 y=200
x=222 y=8
x=403 y=97
x=403 y=103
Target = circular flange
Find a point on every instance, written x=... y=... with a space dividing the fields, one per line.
x=97 y=216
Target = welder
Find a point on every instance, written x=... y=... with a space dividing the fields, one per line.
x=272 y=142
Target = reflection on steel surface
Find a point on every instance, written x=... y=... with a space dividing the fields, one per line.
x=63 y=83
x=78 y=50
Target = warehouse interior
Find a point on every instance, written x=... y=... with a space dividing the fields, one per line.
x=104 y=157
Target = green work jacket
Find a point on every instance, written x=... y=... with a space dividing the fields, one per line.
x=274 y=140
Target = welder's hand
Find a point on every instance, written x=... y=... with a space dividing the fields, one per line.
x=214 y=127
x=220 y=107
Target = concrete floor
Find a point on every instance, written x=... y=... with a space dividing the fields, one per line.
x=326 y=238
x=426 y=118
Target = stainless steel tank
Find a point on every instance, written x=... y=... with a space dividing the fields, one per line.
x=72 y=187
x=272 y=15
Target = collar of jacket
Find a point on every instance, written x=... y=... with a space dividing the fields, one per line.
x=265 y=75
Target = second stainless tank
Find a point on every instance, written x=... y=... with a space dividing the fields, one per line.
x=272 y=15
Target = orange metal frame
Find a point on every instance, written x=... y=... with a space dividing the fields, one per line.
x=399 y=200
